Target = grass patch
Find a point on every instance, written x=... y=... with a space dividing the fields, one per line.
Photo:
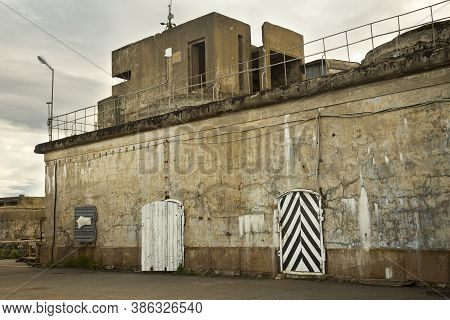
x=83 y=262
x=10 y=254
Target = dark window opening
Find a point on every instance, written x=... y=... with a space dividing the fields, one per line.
x=124 y=75
x=197 y=64
x=284 y=69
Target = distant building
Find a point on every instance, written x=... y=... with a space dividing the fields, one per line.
x=322 y=67
x=21 y=225
x=21 y=218
x=22 y=201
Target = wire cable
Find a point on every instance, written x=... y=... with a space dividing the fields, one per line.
x=77 y=52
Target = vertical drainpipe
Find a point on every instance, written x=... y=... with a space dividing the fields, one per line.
x=318 y=150
x=54 y=211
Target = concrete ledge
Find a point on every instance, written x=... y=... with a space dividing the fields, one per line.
x=389 y=69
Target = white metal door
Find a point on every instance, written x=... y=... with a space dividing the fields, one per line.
x=162 y=236
x=301 y=238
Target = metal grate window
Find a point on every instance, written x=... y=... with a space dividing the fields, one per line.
x=85 y=224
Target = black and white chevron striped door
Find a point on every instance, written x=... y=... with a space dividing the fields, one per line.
x=301 y=239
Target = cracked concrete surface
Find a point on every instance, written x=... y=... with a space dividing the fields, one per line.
x=384 y=177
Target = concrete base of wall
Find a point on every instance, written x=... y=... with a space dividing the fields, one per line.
x=109 y=258
x=416 y=265
x=233 y=260
x=399 y=265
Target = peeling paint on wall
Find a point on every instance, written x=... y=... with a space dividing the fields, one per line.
x=418 y=237
x=388 y=273
x=48 y=181
x=349 y=205
x=251 y=223
x=364 y=219
x=276 y=229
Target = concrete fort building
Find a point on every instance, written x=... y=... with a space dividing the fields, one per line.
x=215 y=155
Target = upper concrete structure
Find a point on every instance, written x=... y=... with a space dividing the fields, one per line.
x=277 y=62
x=417 y=39
x=209 y=58
x=195 y=49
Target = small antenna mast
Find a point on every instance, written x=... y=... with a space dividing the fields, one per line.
x=169 y=24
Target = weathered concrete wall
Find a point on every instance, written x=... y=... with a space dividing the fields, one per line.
x=384 y=177
x=21 y=224
x=23 y=220
x=283 y=41
x=411 y=41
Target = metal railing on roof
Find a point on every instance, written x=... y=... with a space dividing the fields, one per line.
x=207 y=86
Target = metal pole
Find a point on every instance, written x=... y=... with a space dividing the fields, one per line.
x=371 y=37
x=398 y=37
x=173 y=91
x=201 y=84
x=304 y=62
x=42 y=60
x=75 y=124
x=285 y=71
x=49 y=121
x=348 y=49
x=187 y=89
x=248 y=78
x=51 y=110
x=232 y=81
x=432 y=26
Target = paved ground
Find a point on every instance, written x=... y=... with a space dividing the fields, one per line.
x=82 y=284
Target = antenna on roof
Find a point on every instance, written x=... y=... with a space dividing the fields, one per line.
x=169 y=23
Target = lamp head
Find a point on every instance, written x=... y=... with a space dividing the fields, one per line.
x=43 y=61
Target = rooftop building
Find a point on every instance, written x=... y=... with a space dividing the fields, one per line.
x=205 y=59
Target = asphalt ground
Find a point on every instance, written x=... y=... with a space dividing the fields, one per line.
x=85 y=285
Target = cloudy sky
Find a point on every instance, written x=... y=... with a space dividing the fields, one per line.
x=95 y=28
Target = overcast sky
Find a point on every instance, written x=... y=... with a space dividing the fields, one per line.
x=95 y=28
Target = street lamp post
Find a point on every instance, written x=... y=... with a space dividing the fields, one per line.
x=50 y=104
